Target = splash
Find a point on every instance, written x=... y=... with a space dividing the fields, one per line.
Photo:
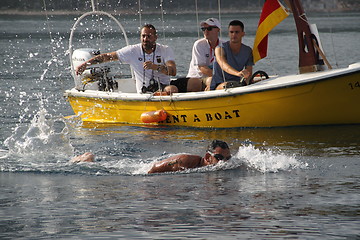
x=43 y=139
x=268 y=160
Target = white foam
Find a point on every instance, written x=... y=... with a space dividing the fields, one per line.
x=268 y=160
x=41 y=139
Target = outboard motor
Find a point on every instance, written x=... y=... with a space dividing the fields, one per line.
x=95 y=77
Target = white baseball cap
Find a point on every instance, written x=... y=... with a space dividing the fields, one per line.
x=212 y=22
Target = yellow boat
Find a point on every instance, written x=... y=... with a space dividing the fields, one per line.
x=310 y=98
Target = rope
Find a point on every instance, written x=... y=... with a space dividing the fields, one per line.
x=139 y=3
x=53 y=54
x=222 y=71
x=162 y=18
x=49 y=30
x=164 y=39
x=332 y=42
x=197 y=18
x=93 y=5
x=219 y=10
x=98 y=21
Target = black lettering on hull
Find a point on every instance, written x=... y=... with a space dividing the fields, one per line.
x=207 y=117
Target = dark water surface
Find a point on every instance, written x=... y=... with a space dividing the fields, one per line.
x=291 y=183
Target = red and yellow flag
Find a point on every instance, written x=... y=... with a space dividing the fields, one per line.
x=272 y=14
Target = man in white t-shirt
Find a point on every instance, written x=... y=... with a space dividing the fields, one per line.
x=153 y=63
x=203 y=55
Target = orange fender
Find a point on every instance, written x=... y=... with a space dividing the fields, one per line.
x=153 y=116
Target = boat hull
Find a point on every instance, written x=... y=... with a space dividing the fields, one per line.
x=309 y=99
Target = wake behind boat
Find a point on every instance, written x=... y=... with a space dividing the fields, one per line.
x=314 y=97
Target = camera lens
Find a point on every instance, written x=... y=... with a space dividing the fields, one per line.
x=151 y=81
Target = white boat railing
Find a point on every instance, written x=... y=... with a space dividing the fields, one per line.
x=74 y=28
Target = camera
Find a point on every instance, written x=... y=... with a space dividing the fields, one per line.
x=153 y=86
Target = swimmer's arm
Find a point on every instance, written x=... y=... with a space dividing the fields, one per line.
x=168 y=165
x=86 y=157
x=176 y=163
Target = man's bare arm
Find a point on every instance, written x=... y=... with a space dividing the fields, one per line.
x=222 y=61
x=105 y=57
x=206 y=71
x=176 y=163
x=170 y=68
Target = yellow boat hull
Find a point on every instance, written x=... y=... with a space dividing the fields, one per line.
x=320 y=99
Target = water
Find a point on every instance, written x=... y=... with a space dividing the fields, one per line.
x=293 y=183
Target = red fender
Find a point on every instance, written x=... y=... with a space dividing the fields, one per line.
x=153 y=116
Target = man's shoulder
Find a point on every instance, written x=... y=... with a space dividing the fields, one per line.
x=134 y=47
x=223 y=43
x=164 y=46
x=189 y=157
x=166 y=51
x=246 y=46
x=188 y=160
x=201 y=42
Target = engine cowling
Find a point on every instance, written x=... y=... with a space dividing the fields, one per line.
x=95 y=77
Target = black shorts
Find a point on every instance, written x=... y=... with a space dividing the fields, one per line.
x=181 y=84
x=153 y=88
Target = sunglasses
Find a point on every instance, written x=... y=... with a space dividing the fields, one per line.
x=207 y=28
x=219 y=156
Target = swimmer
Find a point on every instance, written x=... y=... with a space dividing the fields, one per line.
x=217 y=151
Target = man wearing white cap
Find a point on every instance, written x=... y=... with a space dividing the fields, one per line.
x=203 y=54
